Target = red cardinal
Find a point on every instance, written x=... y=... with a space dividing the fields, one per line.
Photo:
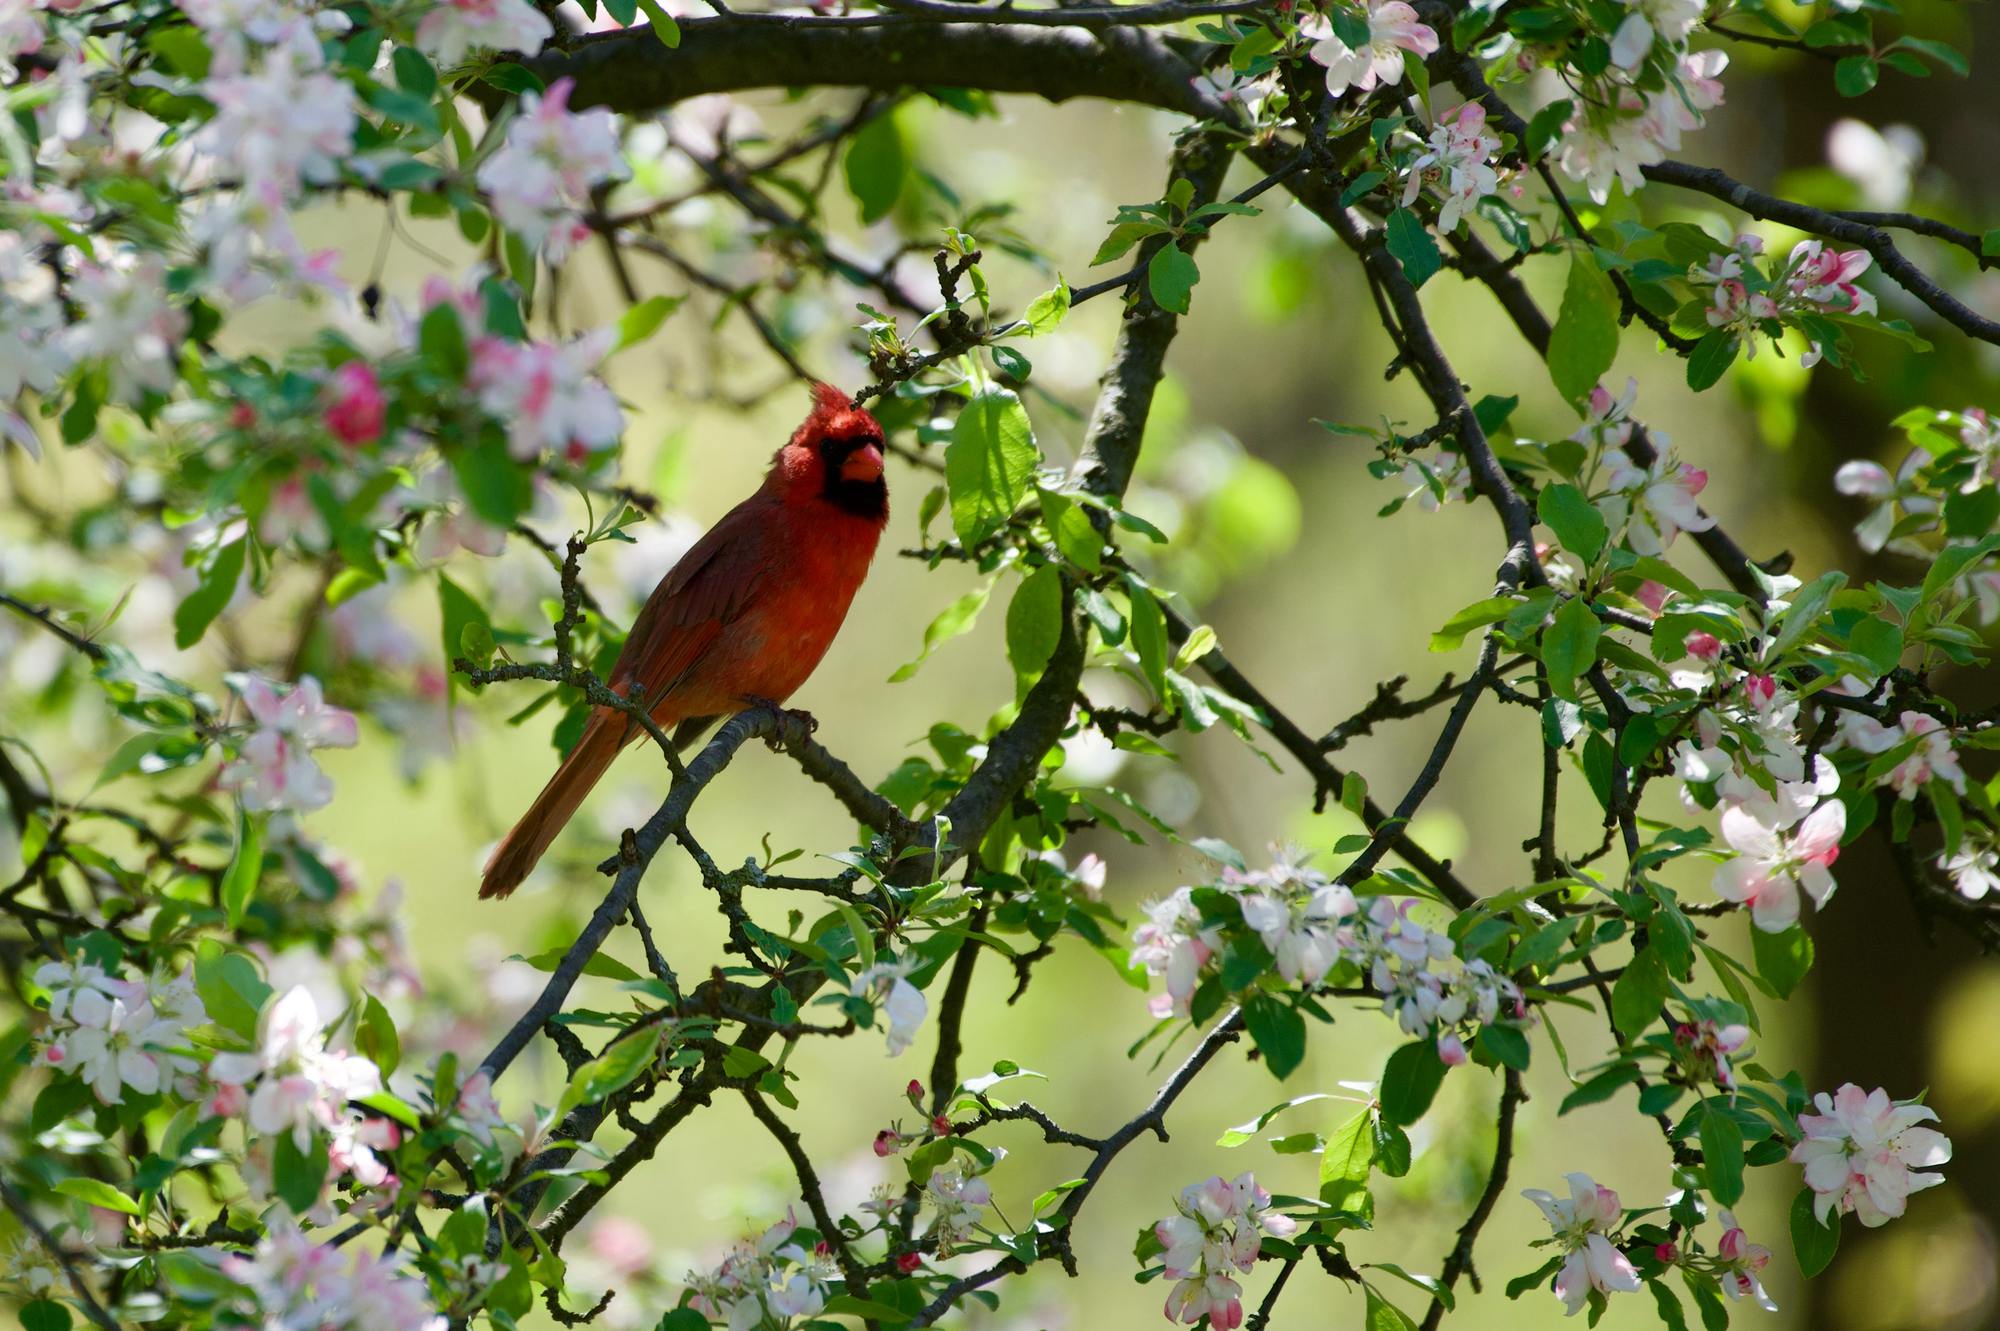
x=742 y=618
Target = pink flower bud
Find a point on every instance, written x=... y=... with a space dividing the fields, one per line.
x=1761 y=688
x=242 y=416
x=1451 y=1050
x=908 y=1262
x=356 y=407
x=915 y=1090
x=1667 y=1253
x=1704 y=646
x=887 y=1143
x=1651 y=595
x=941 y=1125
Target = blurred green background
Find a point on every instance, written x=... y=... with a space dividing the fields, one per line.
x=1316 y=599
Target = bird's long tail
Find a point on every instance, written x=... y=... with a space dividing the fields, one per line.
x=517 y=854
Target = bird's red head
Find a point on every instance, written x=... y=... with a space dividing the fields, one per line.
x=835 y=457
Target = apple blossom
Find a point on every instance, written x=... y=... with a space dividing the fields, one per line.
x=1772 y=866
x=763 y=1283
x=1607 y=421
x=547 y=395
x=454 y=28
x=292 y=1281
x=1393 y=30
x=1659 y=499
x=957 y=1203
x=281 y=121
x=300 y=1086
x=1664 y=21
x=1706 y=1047
x=1584 y=1223
x=1295 y=910
x=540 y=180
x=1880 y=163
x=1741 y=1262
x=1862 y=1152
x=126 y=318
x=275 y=769
x=114 y=1033
x=355 y=406
x=1931 y=759
x=1218 y=1226
x=1173 y=943
x=903 y=1004
x=1974 y=870
x=1459 y=163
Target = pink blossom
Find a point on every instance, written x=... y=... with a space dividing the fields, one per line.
x=548 y=396
x=1975 y=870
x=453 y=29
x=355 y=406
x=1772 y=866
x=1931 y=760
x=1607 y=420
x=540 y=180
x=1742 y=1261
x=1393 y=29
x=903 y=1004
x=1218 y=1226
x=1862 y=1151
x=275 y=767
x=1659 y=499
x=1825 y=279
x=1583 y=1223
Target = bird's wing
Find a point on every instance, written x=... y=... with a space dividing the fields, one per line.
x=705 y=592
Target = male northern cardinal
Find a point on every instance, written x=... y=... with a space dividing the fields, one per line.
x=744 y=616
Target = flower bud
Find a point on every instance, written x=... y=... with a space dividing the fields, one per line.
x=887 y=1143
x=908 y=1262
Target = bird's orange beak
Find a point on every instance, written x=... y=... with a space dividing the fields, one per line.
x=863 y=464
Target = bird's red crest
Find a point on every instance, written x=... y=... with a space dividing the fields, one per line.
x=834 y=416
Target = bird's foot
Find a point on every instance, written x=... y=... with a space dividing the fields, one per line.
x=795 y=715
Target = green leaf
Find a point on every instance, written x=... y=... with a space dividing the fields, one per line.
x=1247 y=1132
x=1569 y=646
x=210 y=596
x=1345 y=1163
x=1584 y=341
x=953 y=620
x=96 y=1192
x=1989 y=244
x=45 y=1315
x=1807 y=605
x=877 y=167
x=989 y=463
x=1574 y=519
x=231 y=989
x=1170 y=276
x=1546 y=127
x=240 y=883
x=1855 y=74
x=460 y=612
x=498 y=488
x=614 y=1070
x=297 y=1176
x=1599 y=1088
x=1279 y=1032
x=1477 y=615
x=1722 y=1154
x=441 y=339
x=663 y=24
x=1711 y=356
x=1430 y=1285
x=1413 y=246
x=375 y=1036
x=1034 y=621
x=1782 y=958
x=644 y=319
x=1410 y=1081
x=1507 y=1045
x=1813 y=1242
x=1383 y=1315
x=1636 y=998
x=1047 y=310
x=1149 y=637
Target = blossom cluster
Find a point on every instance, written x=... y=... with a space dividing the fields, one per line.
x=1457 y=163
x=116 y=1034
x=1215 y=1232
x=768 y=1283
x=1585 y=1224
x=1622 y=121
x=292 y=1280
x=1744 y=301
x=1310 y=925
x=292 y=1084
x=274 y=768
